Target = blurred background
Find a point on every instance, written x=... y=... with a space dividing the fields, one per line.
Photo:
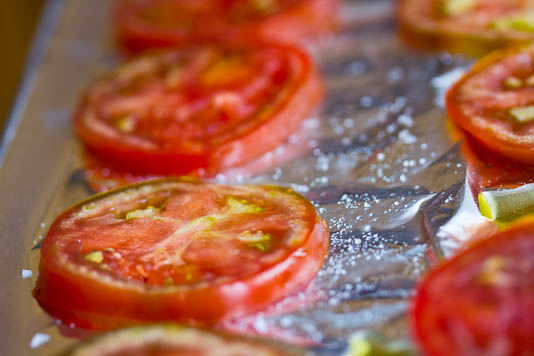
x=18 y=21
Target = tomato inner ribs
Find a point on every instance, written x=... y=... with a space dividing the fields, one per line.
x=193 y=247
x=202 y=107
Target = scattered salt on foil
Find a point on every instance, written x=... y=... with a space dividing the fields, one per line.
x=39 y=339
x=443 y=82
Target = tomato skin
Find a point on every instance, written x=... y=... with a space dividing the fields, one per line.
x=99 y=303
x=456 y=311
x=488 y=169
x=290 y=25
x=419 y=29
x=101 y=176
x=263 y=134
x=171 y=339
x=498 y=138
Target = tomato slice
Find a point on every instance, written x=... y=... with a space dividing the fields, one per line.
x=202 y=108
x=481 y=302
x=141 y=24
x=486 y=168
x=102 y=176
x=171 y=340
x=494 y=103
x=178 y=250
x=489 y=170
x=474 y=27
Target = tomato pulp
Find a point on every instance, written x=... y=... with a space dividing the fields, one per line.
x=481 y=302
x=486 y=168
x=198 y=109
x=141 y=24
x=170 y=340
x=494 y=103
x=474 y=27
x=179 y=250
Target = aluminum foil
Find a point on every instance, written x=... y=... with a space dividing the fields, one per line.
x=381 y=168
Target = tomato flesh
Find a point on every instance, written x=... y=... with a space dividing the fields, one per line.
x=198 y=108
x=142 y=24
x=482 y=103
x=490 y=170
x=102 y=176
x=178 y=250
x=481 y=302
x=472 y=29
x=170 y=340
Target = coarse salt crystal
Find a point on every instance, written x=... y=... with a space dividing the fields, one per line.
x=405 y=120
x=406 y=137
x=39 y=339
x=366 y=101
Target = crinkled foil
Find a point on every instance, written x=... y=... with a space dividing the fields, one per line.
x=381 y=168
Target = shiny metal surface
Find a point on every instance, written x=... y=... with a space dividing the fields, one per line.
x=383 y=172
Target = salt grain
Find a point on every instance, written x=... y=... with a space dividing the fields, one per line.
x=406 y=137
x=348 y=123
x=39 y=339
x=366 y=101
x=395 y=74
x=405 y=120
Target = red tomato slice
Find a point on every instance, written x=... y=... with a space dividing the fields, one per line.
x=102 y=176
x=494 y=100
x=198 y=109
x=487 y=169
x=474 y=27
x=141 y=24
x=178 y=250
x=169 y=340
x=481 y=302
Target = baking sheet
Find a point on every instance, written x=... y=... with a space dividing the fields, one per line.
x=382 y=170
